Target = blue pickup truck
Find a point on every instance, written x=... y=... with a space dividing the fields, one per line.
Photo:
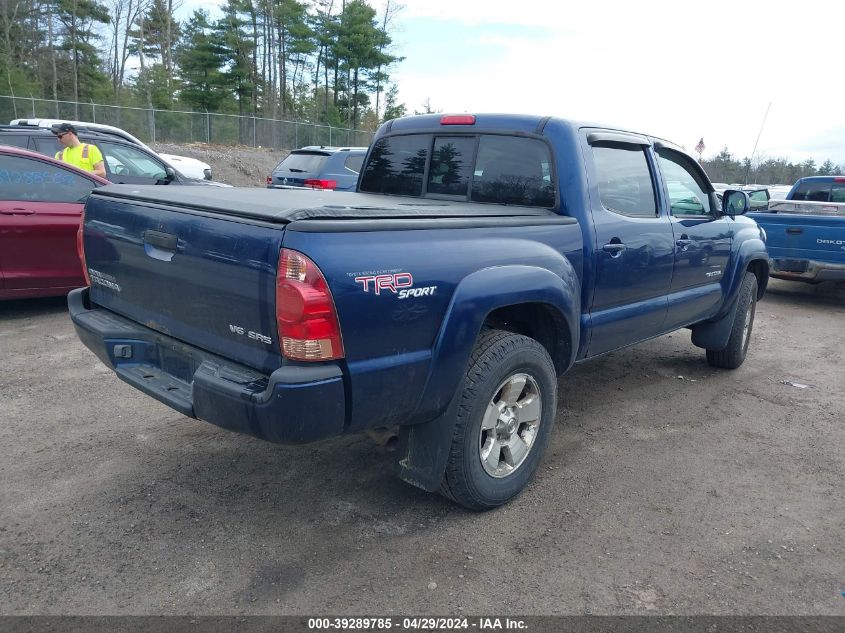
x=806 y=232
x=479 y=259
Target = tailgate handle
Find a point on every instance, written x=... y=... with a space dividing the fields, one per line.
x=795 y=230
x=164 y=241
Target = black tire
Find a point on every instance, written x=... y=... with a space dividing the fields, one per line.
x=499 y=362
x=734 y=354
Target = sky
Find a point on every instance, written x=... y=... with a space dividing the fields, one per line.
x=719 y=70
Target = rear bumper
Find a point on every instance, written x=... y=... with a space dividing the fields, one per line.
x=294 y=404
x=806 y=270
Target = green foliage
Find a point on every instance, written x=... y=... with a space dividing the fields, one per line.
x=327 y=61
x=392 y=108
x=771 y=171
x=201 y=56
x=156 y=82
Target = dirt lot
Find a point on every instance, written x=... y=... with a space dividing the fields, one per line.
x=235 y=165
x=669 y=487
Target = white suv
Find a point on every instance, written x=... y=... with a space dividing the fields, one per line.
x=188 y=167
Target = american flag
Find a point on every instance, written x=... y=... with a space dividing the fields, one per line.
x=700 y=147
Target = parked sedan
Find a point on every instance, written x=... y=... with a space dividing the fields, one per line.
x=41 y=201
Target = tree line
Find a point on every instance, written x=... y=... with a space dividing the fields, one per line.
x=769 y=171
x=321 y=61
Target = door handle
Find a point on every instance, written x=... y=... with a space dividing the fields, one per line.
x=614 y=248
x=794 y=230
x=683 y=243
x=164 y=241
x=17 y=212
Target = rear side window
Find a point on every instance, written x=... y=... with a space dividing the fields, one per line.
x=47 y=145
x=837 y=192
x=487 y=168
x=624 y=180
x=15 y=140
x=303 y=163
x=354 y=162
x=813 y=191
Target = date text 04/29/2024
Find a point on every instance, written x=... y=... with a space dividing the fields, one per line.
x=416 y=623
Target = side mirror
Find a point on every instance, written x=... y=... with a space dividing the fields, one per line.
x=735 y=202
x=169 y=176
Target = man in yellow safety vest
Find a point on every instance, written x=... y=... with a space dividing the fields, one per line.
x=85 y=156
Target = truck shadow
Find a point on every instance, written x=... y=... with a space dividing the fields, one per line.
x=29 y=308
x=798 y=293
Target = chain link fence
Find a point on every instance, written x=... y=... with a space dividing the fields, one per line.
x=179 y=126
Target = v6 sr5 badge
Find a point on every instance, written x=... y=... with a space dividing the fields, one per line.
x=400 y=284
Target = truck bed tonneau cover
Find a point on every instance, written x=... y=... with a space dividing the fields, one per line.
x=286 y=206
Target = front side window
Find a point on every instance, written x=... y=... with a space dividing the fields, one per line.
x=37 y=181
x=624 y=180
x=123 y=160
x=687 y=193
x=759 y=200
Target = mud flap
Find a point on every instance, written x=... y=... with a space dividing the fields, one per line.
x=424 y=449
x=714 y=335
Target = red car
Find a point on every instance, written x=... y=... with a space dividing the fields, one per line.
x=41 y=201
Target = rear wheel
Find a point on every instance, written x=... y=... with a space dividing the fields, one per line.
x=734 y=354
x=504 y=420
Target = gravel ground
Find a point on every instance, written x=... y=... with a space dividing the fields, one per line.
x=237 y=165
x=669 y=487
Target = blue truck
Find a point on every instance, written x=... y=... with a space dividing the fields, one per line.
x=480 y=258
x=806 y=231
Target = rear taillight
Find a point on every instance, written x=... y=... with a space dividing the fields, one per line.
x=80 y=249
x=269 y=180
x=305 y=312
x=316 y=183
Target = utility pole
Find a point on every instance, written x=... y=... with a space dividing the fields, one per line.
x=754 y=151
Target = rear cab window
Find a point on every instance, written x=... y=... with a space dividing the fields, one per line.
x=813 y=192
x=490 y=168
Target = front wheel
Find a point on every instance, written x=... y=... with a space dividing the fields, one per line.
x=734 y=354
x=504 y=420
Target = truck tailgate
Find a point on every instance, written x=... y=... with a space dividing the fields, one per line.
x=795 y=236
x=204 y=279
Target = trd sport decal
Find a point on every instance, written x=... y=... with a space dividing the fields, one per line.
x=399 y=283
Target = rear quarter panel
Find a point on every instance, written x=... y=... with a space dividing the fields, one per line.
x=392 y=344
